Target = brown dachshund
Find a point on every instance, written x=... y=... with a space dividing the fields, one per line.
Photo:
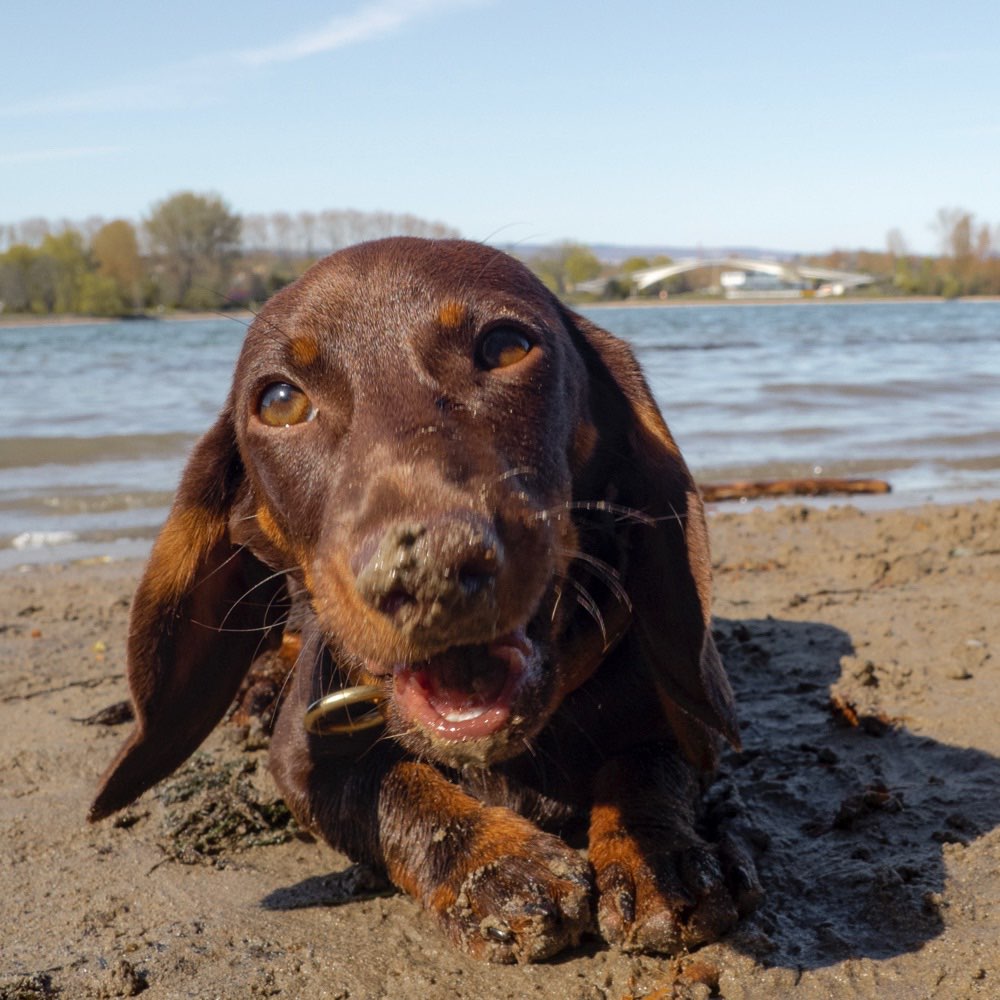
x=471 y=494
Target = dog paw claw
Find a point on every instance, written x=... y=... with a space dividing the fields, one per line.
x=524 y=907
x=664 y=903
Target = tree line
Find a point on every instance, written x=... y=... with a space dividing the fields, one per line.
x=968 y=262
x=193 y=252
x=190 y=252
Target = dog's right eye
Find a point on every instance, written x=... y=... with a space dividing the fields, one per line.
x=282 y=404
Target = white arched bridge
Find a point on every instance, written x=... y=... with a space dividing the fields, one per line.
x=787 y=278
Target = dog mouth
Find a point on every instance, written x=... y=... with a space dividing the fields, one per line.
x=466 y=692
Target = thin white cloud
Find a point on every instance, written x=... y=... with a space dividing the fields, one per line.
x=64 y=153
x=364 y=24
x=198 y=81
x=173 y=91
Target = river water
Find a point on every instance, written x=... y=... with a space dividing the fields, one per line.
x=98 y=418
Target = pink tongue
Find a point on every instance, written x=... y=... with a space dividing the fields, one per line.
x=449 y=698
x=464 y=693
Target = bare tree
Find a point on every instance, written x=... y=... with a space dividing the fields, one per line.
x=255 y=231
x=90 y=227
x=32 y=231
x=895 y=243
x=307 y=223
x=282 y=228
x=954 y=226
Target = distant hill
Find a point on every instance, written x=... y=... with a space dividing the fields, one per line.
x=614 y=253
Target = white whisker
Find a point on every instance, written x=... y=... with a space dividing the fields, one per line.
x=558 y=601
x=260 y=583
x=604 y=572
x=620 y=512
x=589 y=605
x=521 y=470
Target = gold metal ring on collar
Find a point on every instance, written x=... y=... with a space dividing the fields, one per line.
x=331 y=715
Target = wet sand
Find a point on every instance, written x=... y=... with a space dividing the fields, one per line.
x=864 y=651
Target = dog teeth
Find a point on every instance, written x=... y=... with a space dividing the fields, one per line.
x=464 y=716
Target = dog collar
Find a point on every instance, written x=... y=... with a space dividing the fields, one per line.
x=332 y=716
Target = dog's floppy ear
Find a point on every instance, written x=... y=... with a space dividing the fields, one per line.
x=203 y=609
x=668 y=567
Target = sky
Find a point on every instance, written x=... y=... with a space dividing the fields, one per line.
x=789 y=126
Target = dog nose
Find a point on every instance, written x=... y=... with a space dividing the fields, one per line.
x=432 y=575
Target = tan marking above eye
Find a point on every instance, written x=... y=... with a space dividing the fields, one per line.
x=452 y=315
x=503 y=346
x=283 y=404
x=305 y=350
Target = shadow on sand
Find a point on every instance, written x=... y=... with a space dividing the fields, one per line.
x=856 y=811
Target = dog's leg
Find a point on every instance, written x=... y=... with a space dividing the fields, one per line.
x=502 y=889
x=661 y=887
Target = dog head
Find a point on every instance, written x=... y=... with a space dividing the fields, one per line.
x=472 y=487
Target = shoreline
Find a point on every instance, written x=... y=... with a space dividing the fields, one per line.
x=27 y=321
x=843 y=300
x=131 y=546
x=246 y=315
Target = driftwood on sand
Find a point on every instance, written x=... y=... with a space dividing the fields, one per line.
x=813 y=486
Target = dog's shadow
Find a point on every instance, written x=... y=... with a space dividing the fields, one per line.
x=852 y=813
x=855 y=811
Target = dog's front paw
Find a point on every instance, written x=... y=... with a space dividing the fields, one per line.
x=655 y=899
x=527 y=902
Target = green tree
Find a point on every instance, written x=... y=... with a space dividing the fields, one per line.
x=101 y=296
x=581 y=265
x=17 y=278
x=196 y=238
x=62 y=265
x=116 y=252
x=565 y=266
x=633 y=264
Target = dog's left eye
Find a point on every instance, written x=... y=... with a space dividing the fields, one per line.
x=283 y=404
x=502 y=347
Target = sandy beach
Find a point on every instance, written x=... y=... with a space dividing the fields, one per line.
x=863 y=646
